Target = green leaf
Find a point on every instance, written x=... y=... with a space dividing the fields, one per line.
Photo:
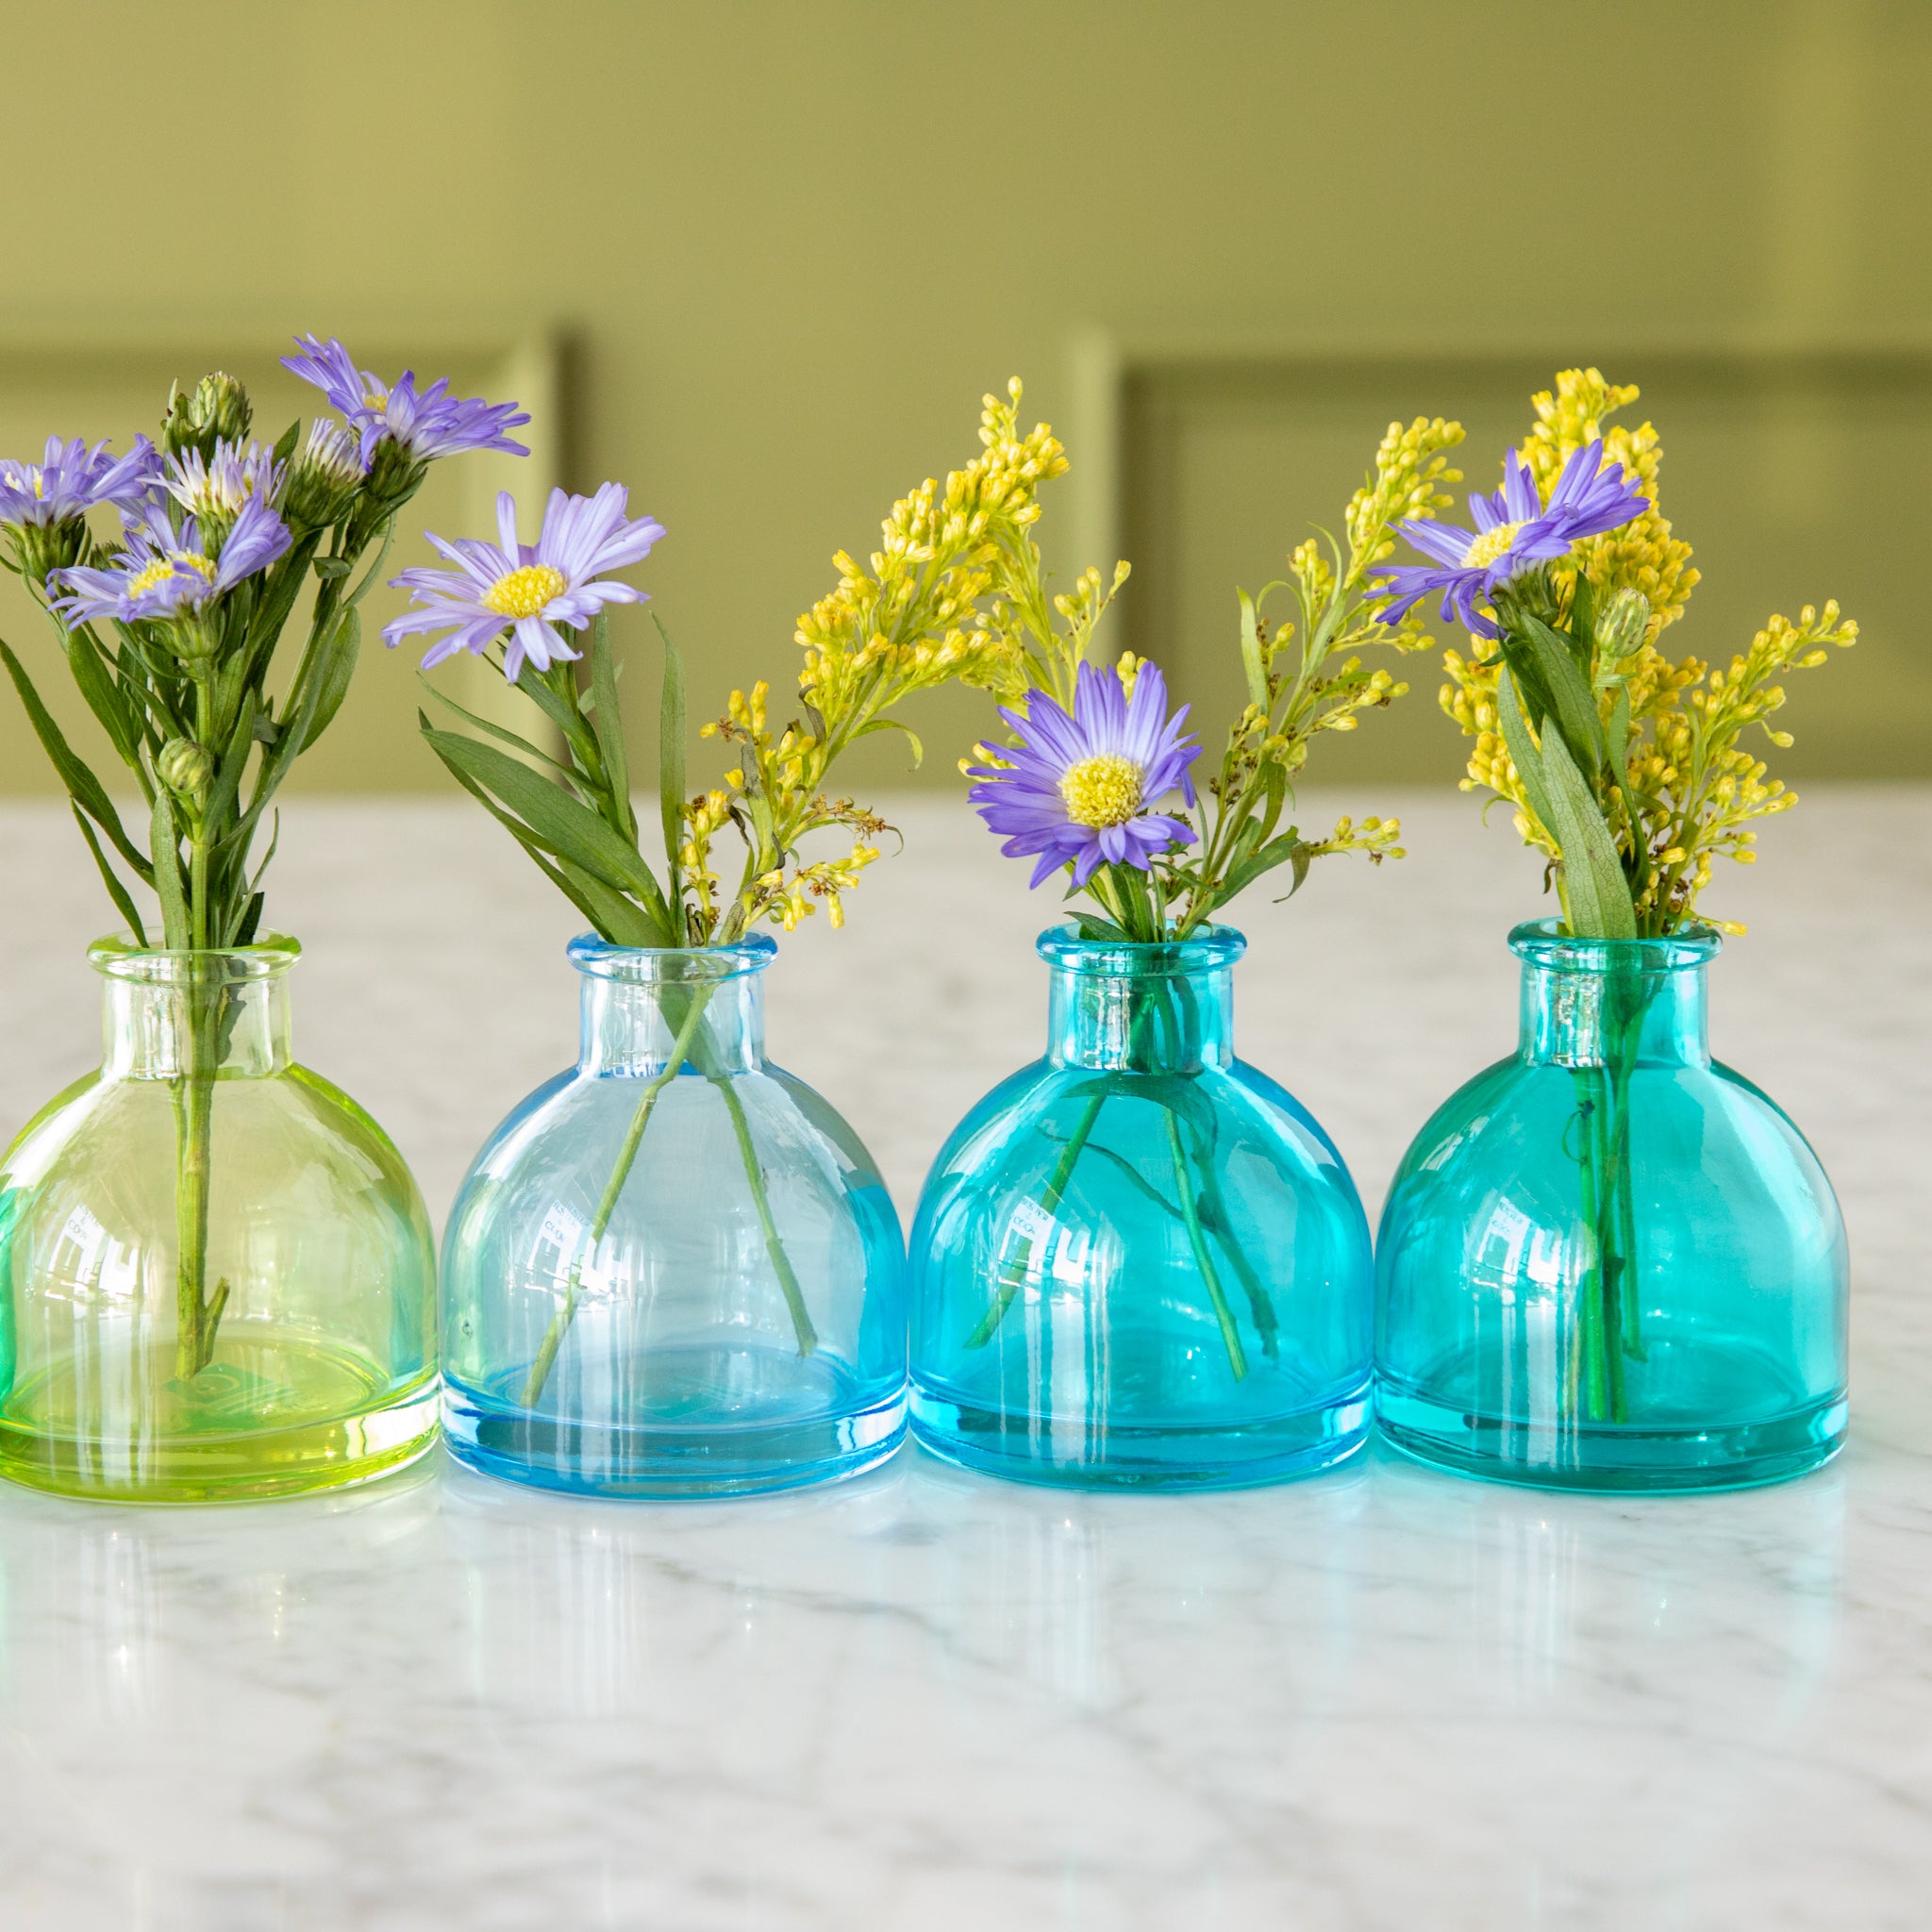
x=336 y=670
x=1289 y=847
x=1570 y=699
x=103 y=697
x=285 y=443
x=1251 y=652
x=109 y=877
x=176 y=928
x=1599 y=894
x=1617 y=735
x=606 y=721
x=565 y=717
x=82 y=786
x=1302 y=857
x=515 y=828
x=375 y=569
x=1583 y=626
x=327 y=567
x=500 y=732
x=670 y=726
x=283 y=584
x=1275 y=791
x=226 y=788
x=1524 y=752
x=872 y=725
x=1095 y=927
x=619 y=918
x=559 y=823
x=1178 y=1093
x=250 y=922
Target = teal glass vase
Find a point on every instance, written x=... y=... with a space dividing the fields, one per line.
x=674 y=1271
x=1609 y=1262
x=1139 y=1263
x=217 y=1278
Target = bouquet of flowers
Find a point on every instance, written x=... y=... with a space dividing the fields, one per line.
x=173 y=628
x=913 y=619
x=1626 y=768
x=1095 y=782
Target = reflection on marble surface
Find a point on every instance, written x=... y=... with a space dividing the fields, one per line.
x=1381 y=1699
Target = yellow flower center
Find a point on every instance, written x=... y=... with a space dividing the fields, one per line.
x=163 y=568
x=1489 y=546
x=524 y=593
x=1103 y=789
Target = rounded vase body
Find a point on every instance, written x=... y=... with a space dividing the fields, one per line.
x=673 y=1270
x=1139 y=1263
x=1609 y=1262
x=219 y=1279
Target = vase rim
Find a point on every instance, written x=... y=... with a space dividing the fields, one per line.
x=121 y=956
x=1202 y=951
x=598 y=959
x=1544 y=942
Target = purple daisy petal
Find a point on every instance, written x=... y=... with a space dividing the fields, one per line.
x=581 y=537
x=1116 y=755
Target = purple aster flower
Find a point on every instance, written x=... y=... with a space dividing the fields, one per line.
x=1514 y=532
x=71 y=479
x=215 y=491
x=1076 y=789
x=527 y=589
x=162 y=571
x=426 y=423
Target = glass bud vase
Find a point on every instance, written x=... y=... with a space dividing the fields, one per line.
x=1609 y=1262
x=217 y=1279
x=1139 y=1263
x=674 y=1271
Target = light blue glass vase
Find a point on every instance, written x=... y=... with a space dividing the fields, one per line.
x=1609 y=1262
x=1139 y=1263
x=674 y=1271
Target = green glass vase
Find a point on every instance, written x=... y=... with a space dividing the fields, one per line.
x=216 y=1272
x=1609 y=1262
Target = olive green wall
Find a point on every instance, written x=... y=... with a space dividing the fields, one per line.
x=785 y=246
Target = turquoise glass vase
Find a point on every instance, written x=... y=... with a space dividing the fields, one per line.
x=1139 y=1263
x=674 y=1271
x=1609 y=1262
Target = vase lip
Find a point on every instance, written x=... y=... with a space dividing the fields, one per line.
x=1203 y=949
x=1544 y=942
x=597 y=958
x=121 y=956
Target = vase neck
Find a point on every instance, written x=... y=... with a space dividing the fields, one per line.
x=1139 y=1008
x=171 y=1015
x=644 y=1008
x=1604 y=1002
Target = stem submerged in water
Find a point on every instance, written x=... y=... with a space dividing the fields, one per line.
x=1608 y=1319
x=193 y=1090
x=688 y=1045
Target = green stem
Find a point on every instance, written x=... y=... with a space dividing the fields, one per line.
x=626 y=1157
x=1591 y=1338
x=194 y=1102
x=1012 y=1274
x=781 y=1261
x=1622 y=1233
x=1197 y=1239
x=1219 y=1223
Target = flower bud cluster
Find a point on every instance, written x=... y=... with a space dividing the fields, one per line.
x=325 y=476
x=216 y=411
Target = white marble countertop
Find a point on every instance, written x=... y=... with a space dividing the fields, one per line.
x=1381 y=1699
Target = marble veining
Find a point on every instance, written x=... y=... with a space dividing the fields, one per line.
x=1382 y=1699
